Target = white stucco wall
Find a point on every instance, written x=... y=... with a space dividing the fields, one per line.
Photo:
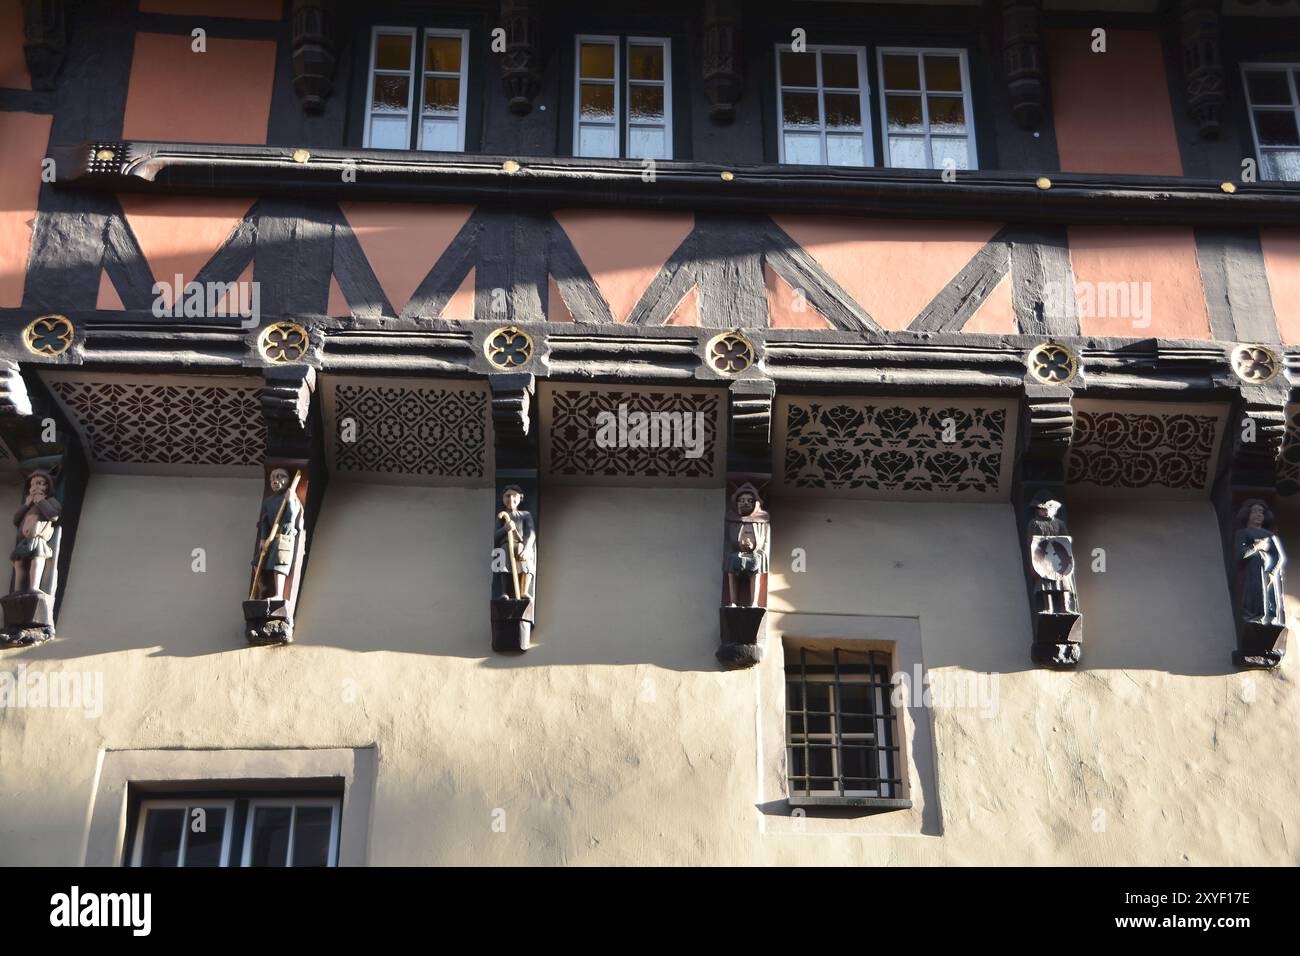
x=617 y=738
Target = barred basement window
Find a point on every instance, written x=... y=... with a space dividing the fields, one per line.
x=842 y=737
x=925 y=100
x=237 y=831
x=415 y=98
x=1273 y=95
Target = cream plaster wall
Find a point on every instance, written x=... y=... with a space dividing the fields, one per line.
x=618 y=739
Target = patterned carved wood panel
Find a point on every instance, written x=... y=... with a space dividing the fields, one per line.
x=1154 y=448
x=165 y=424
x=409 y=432
x=895 y=448
x=633 y=435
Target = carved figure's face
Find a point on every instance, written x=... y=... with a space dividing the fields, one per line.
x=512 y=500
x=1255 y=517
x=40 y=485
x=1049 y=508
x=279 y=479
x=745 y=503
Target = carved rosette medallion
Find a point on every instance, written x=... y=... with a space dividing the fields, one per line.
x=1255 y=364
x=49 y=335
x=508 y=347
x=729 y=353
x=1053 y=363
x=283 y=343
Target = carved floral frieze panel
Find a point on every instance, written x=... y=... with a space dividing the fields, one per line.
x=633 y=434
x=1156 y=448
x=165 y=424
x=426 y=431
x=889 y=447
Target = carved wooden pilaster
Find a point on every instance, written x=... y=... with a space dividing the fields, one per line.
x=45 y=40
x=747 y=543
x=41 y=461
x=1022 y=58
x=293 y=488
x=724 y=77
x=521 y=65
x=1203 y=73
x=1245 y=498
x=514 y=542
x=1047 y=547
x=315 y=53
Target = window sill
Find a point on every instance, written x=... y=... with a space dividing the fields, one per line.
x=875 y=804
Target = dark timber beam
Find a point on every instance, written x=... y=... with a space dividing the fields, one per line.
x=186 y=168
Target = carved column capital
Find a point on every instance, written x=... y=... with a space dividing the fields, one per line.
x=1203 y=73
x=315 y=53
x=521 y=64
x=723 y=68
x=1022 y=59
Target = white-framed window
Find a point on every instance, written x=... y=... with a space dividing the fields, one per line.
x=842 y=734
x=925 y=108
x=415 y=95
x=298 y=831
x=183 y=833
x=1273 y=98
x=276 y=831
x=823 y=106
x=622 y=97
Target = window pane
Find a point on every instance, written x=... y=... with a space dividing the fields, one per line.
x=904 y=113
x=901 y=72
x=311 y=836
x=646 y=104
x=391 y=93
x=855 y=707
x=271 y=836
x=840 y=69
x=442 y=54
x=393 y=53
x=1276 y=128
x=907 y=152
x=821 y=767
x=798 y=69
x=647 y=142
x=441 y=95
x=162 y=837
x=204 y=848
x=803 y=148
x=942 y=73
x=1268 y=88
x=947 y=114
x=819 y=706
x=1281 y=164
x=440 y=136
x=859 y=767
x=597 y=102
x=955 y=148
x=597 y=141
x=800 y=109
x=597 y=61
x=389 y=132
x=843 y=111
x=845 y=149
x=645 y=62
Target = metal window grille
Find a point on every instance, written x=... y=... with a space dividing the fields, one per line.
x=841 y=730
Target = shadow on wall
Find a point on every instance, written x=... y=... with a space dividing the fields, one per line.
x=630 y=576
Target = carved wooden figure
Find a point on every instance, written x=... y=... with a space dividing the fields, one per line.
x=277 y=560
x=514 y=573
x=746 y=555
x=1260 y=584
x=29 y=606
x=1050 y=550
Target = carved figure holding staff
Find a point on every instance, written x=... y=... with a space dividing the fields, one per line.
x=516 y=536
x=278 y=527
